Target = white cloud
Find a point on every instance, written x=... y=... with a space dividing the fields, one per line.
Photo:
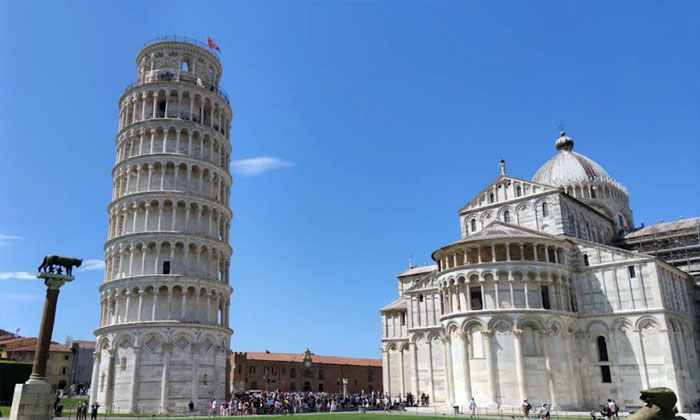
x=21 y=297
x=258 y=165
x=18 y=275
x=9 y=237
x=91 y=265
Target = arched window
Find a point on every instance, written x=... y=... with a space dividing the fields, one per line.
x=545 y=209
x=620 y=221
x=506 y=216
x=205 y=381
x=585 y=260
x=491 y=198
x=518 y=191
x=602 y=350
x=473 y=227
x=122 y=363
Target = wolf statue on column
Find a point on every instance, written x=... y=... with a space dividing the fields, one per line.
x=51 y=262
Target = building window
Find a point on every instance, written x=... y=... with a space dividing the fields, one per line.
x=292 y=372
x=475 y=293
x=320 y=387
x=266 y=370
x=473 y=225
x=602 y=350
x=633 y=274
x=321 y=375
x=239 y=368
x=205 y=380
x=545 y=209
x=574 y=304
x=620 y=221
x=518 y=191
x=491 y=199
x=122 y=364
x=585 y=260
x=63 y=369
x=370 y=376
x=506 y=216
x=605 y=374
x=251 y=369
x=166 y=267
x=545 y=297
x=66 y=357
x=253 y=385
x=284 y=371
x=420 y=298
x=403 y=319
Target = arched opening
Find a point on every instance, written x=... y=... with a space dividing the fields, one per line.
x=545 y=209
x=585 y=259
x=307 y=386
x=473 y=225
x=122 y=363
x=506 y=216
x=602 y=350
x=518 y=191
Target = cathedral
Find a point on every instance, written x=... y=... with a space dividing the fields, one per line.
x=540 y=299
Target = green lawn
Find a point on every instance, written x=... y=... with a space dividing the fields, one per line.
x=4 y=411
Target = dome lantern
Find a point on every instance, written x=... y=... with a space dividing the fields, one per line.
x=564 y=142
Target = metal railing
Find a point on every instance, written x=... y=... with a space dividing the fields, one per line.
x=169 y=77
x=178 y=38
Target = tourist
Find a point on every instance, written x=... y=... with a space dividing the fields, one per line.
x=544 y=411
x=617 y=409
x=526 y=407
x=593 y=414
x=472 y=407
x=191 y=407
x=611 y=409
x=386 y=403
x=93 y=411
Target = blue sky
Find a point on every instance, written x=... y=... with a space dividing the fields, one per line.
x=381 y=119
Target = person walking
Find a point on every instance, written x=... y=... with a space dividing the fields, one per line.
x=611 y=409
x=617 y=409
x=191 y=407
x=526 y=407
x=472 y=407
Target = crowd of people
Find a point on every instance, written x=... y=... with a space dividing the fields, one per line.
x=275 y=402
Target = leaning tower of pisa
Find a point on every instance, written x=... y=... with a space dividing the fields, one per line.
x=164 y=333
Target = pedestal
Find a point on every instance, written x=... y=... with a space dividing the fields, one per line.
x=33 y=401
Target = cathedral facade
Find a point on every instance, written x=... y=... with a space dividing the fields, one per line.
x=537 y=300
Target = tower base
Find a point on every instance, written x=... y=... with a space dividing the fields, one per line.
x=32 y=401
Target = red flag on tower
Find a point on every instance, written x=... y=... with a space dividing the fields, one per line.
x=212 y=44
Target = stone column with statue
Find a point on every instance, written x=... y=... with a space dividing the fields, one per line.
x=33 y=400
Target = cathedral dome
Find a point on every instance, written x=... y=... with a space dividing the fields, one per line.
x=568 y=168
x=584 y=179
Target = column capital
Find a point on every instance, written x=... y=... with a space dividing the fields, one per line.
x=487 y=334
x=517 y=332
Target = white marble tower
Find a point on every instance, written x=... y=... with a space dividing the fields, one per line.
x=164 y=330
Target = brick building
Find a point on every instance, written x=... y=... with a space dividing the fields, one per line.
x=304 y=372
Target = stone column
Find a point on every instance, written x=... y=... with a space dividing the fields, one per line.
x=401 y=376
x=96 y=358
x=165 y=383
x=194 y=348
x=138 y=316
x=519 y=362
x=386 y=368
x=491 y=371
x=133 y=391
x=548 y=370
x=109 y=389
x=449 y=375
x=464 y=359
